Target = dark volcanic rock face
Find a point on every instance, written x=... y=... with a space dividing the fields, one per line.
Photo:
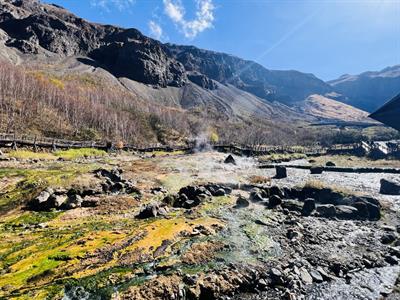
x=36 y=28
x=143 y=61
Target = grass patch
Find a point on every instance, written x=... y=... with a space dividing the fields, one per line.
x=80 y=153
x=277 y=157
x=26 y=154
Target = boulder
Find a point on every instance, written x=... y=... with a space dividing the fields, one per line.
x=242 y=202
x=362 y=210
x=316 y=276
x=346 y=212
x=230 y=160
x=274 y=201
x=292 y=205
x=73 y=201
x=390 y=187
x=280 y=172
x=152 y=210
x=388 y=238
x=330 y=164
x=305 y=276
x=41 y=202
x=326 y=210
x=308 y=207
x=276 y=190
x=316 y=170
x=220 y=192
x=255 y=196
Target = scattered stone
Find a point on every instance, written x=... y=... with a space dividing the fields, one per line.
x=256 y=197
x=305 y=276
x=346 y=212
x=152 y=210
x=390 y=187
x=316 y=276
x=242 y=202
x=308 y=207
x=362 y=209
x=230 y=160
x=326 y=210
x=293 y=234
x=292 y=205
x=276 y=277
x=274 y=201
x=280 y=172
x=388 y=238
x=219 y=193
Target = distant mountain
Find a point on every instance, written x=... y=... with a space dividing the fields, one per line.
x=369 y=90
x=216 y=85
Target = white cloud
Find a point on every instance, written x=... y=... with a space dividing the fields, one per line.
x=106 y=4
x=191 y=28
x=155 y=30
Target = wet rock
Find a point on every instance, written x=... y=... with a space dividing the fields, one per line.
x=388 y=238
x=292 y=205
x=219 y=193
x=305 y=276
x=242 y=202
x=230 y=160
x=274 y=201
x=346 y=212
x=330 y=164
x=316 y=170
x=255 y=196
x=390 y=187
x=326 y=210
x=316 y=276
x=152 y=210
x=276 y=190
x=280 y=172
x=276 y=277
x=392 y=260
x=362 y=210
x=73 y=201
x=308 y=207
x=293 y=235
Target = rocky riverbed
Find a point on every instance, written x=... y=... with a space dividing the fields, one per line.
x=194 y=226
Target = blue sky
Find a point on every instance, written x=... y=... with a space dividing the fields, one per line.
x=324 y=37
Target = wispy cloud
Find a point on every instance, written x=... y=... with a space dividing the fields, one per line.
x=155 y=30
x=108 y=4
x=191 y=28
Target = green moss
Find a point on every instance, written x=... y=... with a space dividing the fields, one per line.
x=25 y=154
x=80 y=153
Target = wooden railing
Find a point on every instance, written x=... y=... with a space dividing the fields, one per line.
x=15 y=141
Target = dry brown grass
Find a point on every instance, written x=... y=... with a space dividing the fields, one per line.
x=256 y=179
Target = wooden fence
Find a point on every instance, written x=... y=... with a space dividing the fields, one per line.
x=15 y=141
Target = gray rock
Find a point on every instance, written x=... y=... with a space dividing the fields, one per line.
x=388 y=238
x=274 y=201
x=280 y=172
x=346 y=212
x=326 y=210
x=219 y=192
x=308 y=207
x=305 y=276
x=390 y=187
x=330 y=164
x=242 y=202
x=292 y=205
x=316 y=276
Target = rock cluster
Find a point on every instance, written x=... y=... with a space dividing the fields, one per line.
x=318 y=202
x=191 y=196
x=63 y=199
x=153 y=210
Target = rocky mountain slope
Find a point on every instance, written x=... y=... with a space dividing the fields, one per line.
x=215 y=85
x=369 y=90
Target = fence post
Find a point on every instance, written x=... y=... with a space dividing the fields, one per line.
x=34 y=145
x=53 y=145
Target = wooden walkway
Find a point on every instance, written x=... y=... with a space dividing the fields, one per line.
x=15 y=141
